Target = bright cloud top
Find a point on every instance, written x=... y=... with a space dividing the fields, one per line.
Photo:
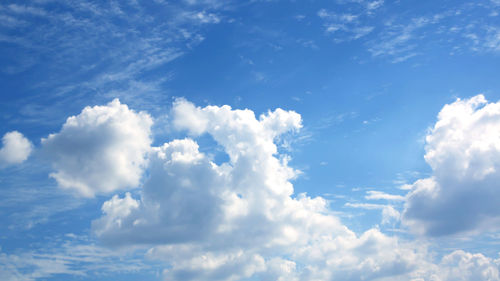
x=463 y=150
x=100 y=150
x=16 y=149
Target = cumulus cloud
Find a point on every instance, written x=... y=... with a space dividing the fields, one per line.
x=462 y=266
x=241 y=218
x=230 y=221
x=235 y=220
x=100 y=150
x=180 y=200
x=463 y=150
x=16 y=149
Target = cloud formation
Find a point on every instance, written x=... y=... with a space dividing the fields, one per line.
x=16 y=149
x=238 y=219
x=463 y=150
x=241 y=218
x=102 y=149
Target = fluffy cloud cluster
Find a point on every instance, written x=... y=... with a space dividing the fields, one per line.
x=100 y=150
x=235 y=220
x=240 y=218
x=16 y=148
x=463 y=150
x=461 y=266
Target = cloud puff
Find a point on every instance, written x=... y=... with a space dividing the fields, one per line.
x=462 y=266
x=100 y=150
x=16 y=149
x=241 y=218
x=463 y=150
x=180 y=200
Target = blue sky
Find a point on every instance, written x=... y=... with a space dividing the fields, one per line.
x=249 y=140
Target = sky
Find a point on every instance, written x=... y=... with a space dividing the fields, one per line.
x=250 y=140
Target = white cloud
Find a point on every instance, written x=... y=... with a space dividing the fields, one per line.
x=463 y=150
x=180 y=200
x=379 y=195
x=462 y=266
x=100 y=150
x=231 y=221
x=240 y=218
x=345 y=26
x=204 y=17
x=389 y=214
x=16 y=149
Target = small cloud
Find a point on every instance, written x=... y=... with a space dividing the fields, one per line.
x=299 y=17
x=29 y=10
x=406 y=186
x=378 y=195
x=461 y=195
x=374 y=5
x=246 y=60
x=389 y=214
x=403 y=58
x=204 y=17
x=259 y=76
x=308 y=43
x=15 y=150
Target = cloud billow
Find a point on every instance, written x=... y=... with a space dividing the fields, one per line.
x=15 y=149
x=102 y=149
x=238 y=219
x=463 y=150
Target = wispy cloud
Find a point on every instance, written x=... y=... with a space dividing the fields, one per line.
x=379 y=195
x=345 y=26
x=399 y=38
x=71 y=254
x=389 y=214
x=113 y=49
